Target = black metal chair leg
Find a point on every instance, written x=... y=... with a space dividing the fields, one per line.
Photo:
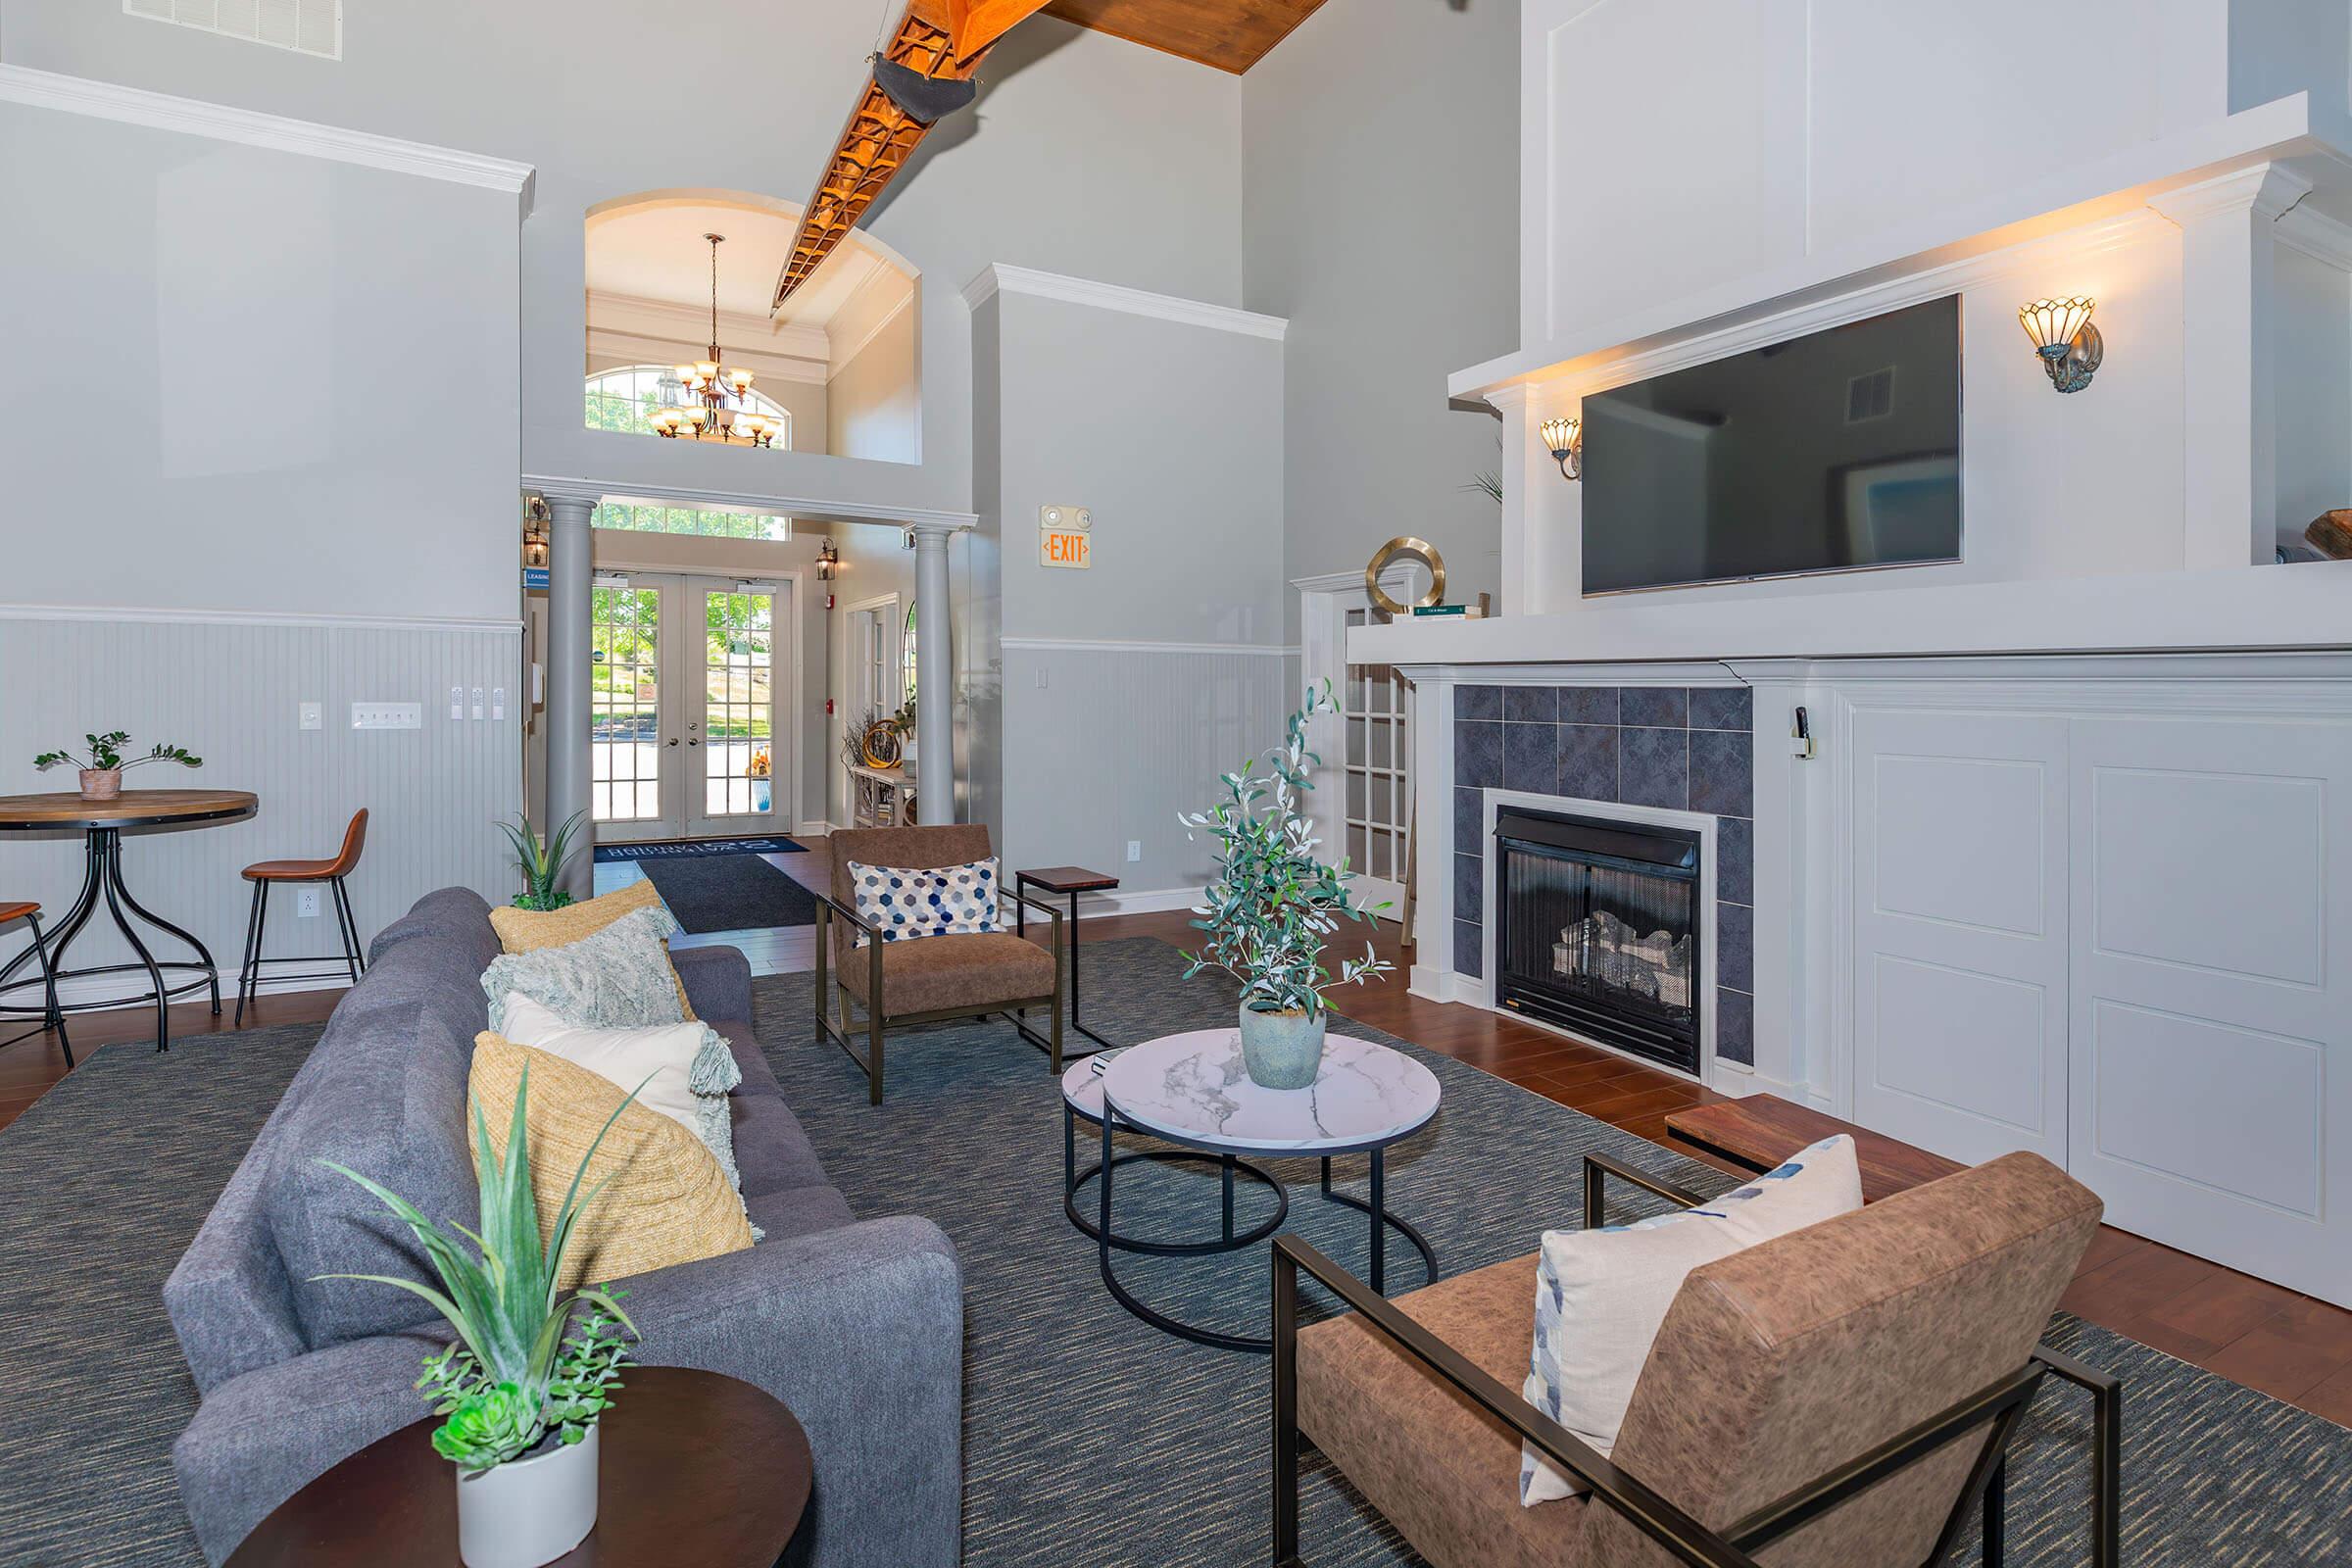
x=1286 y=1409
x=347 y=930
x=252 y=932
x=1997 y=1516
x=55 y=1018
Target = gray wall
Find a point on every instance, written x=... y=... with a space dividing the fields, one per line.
x=1032 y=176
x=1381 y=216
x=1171 y=435
x=873 y=404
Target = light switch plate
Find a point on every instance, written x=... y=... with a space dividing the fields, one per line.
x=387 y=715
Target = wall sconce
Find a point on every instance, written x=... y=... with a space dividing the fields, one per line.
x=1565 y=439
x=2070 y=348
x=828 y=561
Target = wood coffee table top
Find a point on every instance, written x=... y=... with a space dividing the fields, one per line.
x=130 y=809
x=1761 y=1131
x=697 y=1468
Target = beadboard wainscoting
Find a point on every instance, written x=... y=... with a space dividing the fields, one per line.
x=1106 y=742
x=230 y=688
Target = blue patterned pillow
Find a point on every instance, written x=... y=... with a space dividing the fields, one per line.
x=905 y=902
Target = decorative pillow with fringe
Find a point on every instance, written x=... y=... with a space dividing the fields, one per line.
x=619 y=978
x=532 y=930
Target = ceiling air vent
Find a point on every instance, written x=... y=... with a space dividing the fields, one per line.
x=1870 y=397
x=305 y=26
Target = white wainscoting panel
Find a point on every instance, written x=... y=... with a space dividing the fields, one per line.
x=1959 y=955
x=2212 y=994
x=230 y=691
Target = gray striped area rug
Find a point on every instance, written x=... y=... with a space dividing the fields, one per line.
x=1091 y=1441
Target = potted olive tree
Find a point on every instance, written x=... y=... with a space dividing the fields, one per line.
x=1270 y=906
x=531 y=1369
x=102 y=770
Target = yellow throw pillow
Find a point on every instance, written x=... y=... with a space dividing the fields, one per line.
x=667 y=1202
x=529 y=930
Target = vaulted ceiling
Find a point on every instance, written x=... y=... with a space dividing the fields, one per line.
x=1229 y=35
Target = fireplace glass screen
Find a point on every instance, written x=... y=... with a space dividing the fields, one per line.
x=1598 y=930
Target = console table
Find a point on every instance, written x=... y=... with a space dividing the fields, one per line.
x=882 y=797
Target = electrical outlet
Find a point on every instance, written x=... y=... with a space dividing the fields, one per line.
x=306 y=903
x=1135 y=850
x=313 y=716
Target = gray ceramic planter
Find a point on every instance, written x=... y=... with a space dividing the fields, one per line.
x=1283 y=1049
x=528 y=1512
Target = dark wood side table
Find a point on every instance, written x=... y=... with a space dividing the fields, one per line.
x=1761 y=1131
x=1071 y=880
x=697 y=1468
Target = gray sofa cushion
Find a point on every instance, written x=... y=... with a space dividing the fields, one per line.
x=797 y=1211
x=458 y=914
x=385 y=1090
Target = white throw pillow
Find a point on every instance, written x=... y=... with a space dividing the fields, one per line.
x=1601 y=1295
x=905 y=902
x=685 y=1068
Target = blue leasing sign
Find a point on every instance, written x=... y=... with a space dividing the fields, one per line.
x=534 y=577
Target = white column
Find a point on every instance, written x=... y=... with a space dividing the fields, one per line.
x=2230 y=449
x=934 y=677
x=571 y=577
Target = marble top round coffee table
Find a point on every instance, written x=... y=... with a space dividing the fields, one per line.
x=1191 y=1090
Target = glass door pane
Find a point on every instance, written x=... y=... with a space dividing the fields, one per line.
x=624 y=697
x=742 y=764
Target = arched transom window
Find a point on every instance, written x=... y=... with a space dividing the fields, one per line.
x=622 y=398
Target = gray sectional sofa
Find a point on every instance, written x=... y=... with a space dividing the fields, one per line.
x=858 y=1325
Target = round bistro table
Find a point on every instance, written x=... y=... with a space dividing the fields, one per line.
x=696 y=1468
x=102 y=823
x=1191 y=1090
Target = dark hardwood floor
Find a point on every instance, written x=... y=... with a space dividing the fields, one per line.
x=2288 y=1345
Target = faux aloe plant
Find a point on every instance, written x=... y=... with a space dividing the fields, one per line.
x=523 y=1366
x=1273 y=902
x=540 y=867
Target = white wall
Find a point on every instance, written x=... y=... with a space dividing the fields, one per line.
x=873 y=403
x=1085 y=154
x=1381 y=190
x=1128 y=686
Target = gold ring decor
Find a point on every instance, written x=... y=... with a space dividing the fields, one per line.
x=1405 y=547
x=880 y=744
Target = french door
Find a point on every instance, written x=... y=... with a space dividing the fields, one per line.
x=683 y=689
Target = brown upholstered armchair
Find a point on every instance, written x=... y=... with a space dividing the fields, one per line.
x=963 y=976
x=1841 y=1396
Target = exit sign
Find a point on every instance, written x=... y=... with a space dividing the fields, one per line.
x=1064 y=547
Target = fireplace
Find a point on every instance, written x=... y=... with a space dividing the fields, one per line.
x=1597 y=929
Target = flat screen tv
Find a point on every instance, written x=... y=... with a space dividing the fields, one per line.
x=1836 y=452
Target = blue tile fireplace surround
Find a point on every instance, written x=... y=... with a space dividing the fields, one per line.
x=1688 y=748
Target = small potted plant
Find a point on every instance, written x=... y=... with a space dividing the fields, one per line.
x=541 y=866
x=759 y=771
x=102 y=770
x=523 y=1385
x=1270 y=906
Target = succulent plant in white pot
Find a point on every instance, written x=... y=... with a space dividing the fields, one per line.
x=1272 y=904
x=532 y=1367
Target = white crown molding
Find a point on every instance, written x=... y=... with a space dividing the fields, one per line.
x=634 y=315
x=837 y=359
x=1398 y=575
x=134 y=106
x=2265 y=191
x=997 y=277
x=2313 y=233
x=1616 y=369
x=801 y=508
x=1086 y=645
x=156 y=614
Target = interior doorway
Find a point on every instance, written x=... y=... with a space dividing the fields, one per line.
x=687 y=676
x=1363 y=797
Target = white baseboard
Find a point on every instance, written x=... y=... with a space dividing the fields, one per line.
x=1141 y=900
x=1429 y=982
x=813 y=830
x=1730 y=1078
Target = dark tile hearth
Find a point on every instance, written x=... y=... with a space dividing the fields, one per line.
x=1688 y=748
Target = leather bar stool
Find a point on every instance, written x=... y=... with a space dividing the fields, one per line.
x=52 y=1015
x=266 y=874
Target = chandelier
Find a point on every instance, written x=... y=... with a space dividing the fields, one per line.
x=709 y=401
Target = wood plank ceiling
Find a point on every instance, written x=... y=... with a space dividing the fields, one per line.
x=1229 y=35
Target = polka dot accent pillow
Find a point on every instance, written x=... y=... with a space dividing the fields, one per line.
x=928 y=901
